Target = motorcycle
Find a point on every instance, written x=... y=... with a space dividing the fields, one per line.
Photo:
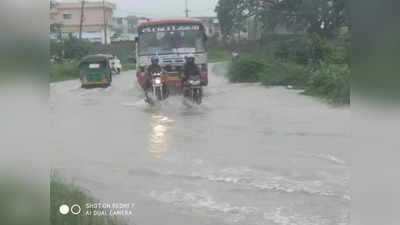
x=116 y=67
x=159 y=88
x=194 y=89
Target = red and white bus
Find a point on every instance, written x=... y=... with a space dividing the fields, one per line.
x=171 y=41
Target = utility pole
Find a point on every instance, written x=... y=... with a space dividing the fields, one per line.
x=82 y=18
x=186 y=9
x=105 y=23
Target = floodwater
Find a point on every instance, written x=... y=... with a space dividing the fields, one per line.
x=248 y=155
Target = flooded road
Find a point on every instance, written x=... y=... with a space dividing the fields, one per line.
x=248 y=155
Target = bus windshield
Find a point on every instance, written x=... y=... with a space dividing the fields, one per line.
x=167 y=42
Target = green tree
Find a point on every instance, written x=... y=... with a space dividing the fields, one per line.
x=225 y=13
x=232 y=15
x=322 y=17
x=76 y=49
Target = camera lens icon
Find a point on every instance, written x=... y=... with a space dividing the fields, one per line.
x=65 y=209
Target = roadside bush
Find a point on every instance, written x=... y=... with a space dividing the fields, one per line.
x=293 y=50
x=247 y=69
x=317 y=65
x=341 y=53
x=331 y=81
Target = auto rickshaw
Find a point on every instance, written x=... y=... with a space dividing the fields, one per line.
x=95 y=71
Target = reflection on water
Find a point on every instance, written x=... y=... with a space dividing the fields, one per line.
x=158 y=137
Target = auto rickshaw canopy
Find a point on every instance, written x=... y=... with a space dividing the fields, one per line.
x=96 y=58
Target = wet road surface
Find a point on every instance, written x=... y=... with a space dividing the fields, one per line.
x=248 y=155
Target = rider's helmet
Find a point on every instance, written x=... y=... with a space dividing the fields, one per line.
x=190 y=59
x=154 y=60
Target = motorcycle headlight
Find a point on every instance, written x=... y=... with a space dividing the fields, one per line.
x=157 y=80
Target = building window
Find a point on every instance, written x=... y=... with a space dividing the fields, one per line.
x=67 y=16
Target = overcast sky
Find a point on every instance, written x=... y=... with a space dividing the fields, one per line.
x=162 y=8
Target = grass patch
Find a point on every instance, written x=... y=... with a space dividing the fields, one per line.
x=63 y=193
x=68 y=70
x=255 y=69
x=128 y=62
x=128 y=66
x=219 y=55
x=285 y=74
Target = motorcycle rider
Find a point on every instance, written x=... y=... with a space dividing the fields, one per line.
x=190 y=70
x=154 y=68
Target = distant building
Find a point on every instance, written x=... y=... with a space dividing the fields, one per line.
x=96 y=18
x=125 y=28
x=120 y=25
